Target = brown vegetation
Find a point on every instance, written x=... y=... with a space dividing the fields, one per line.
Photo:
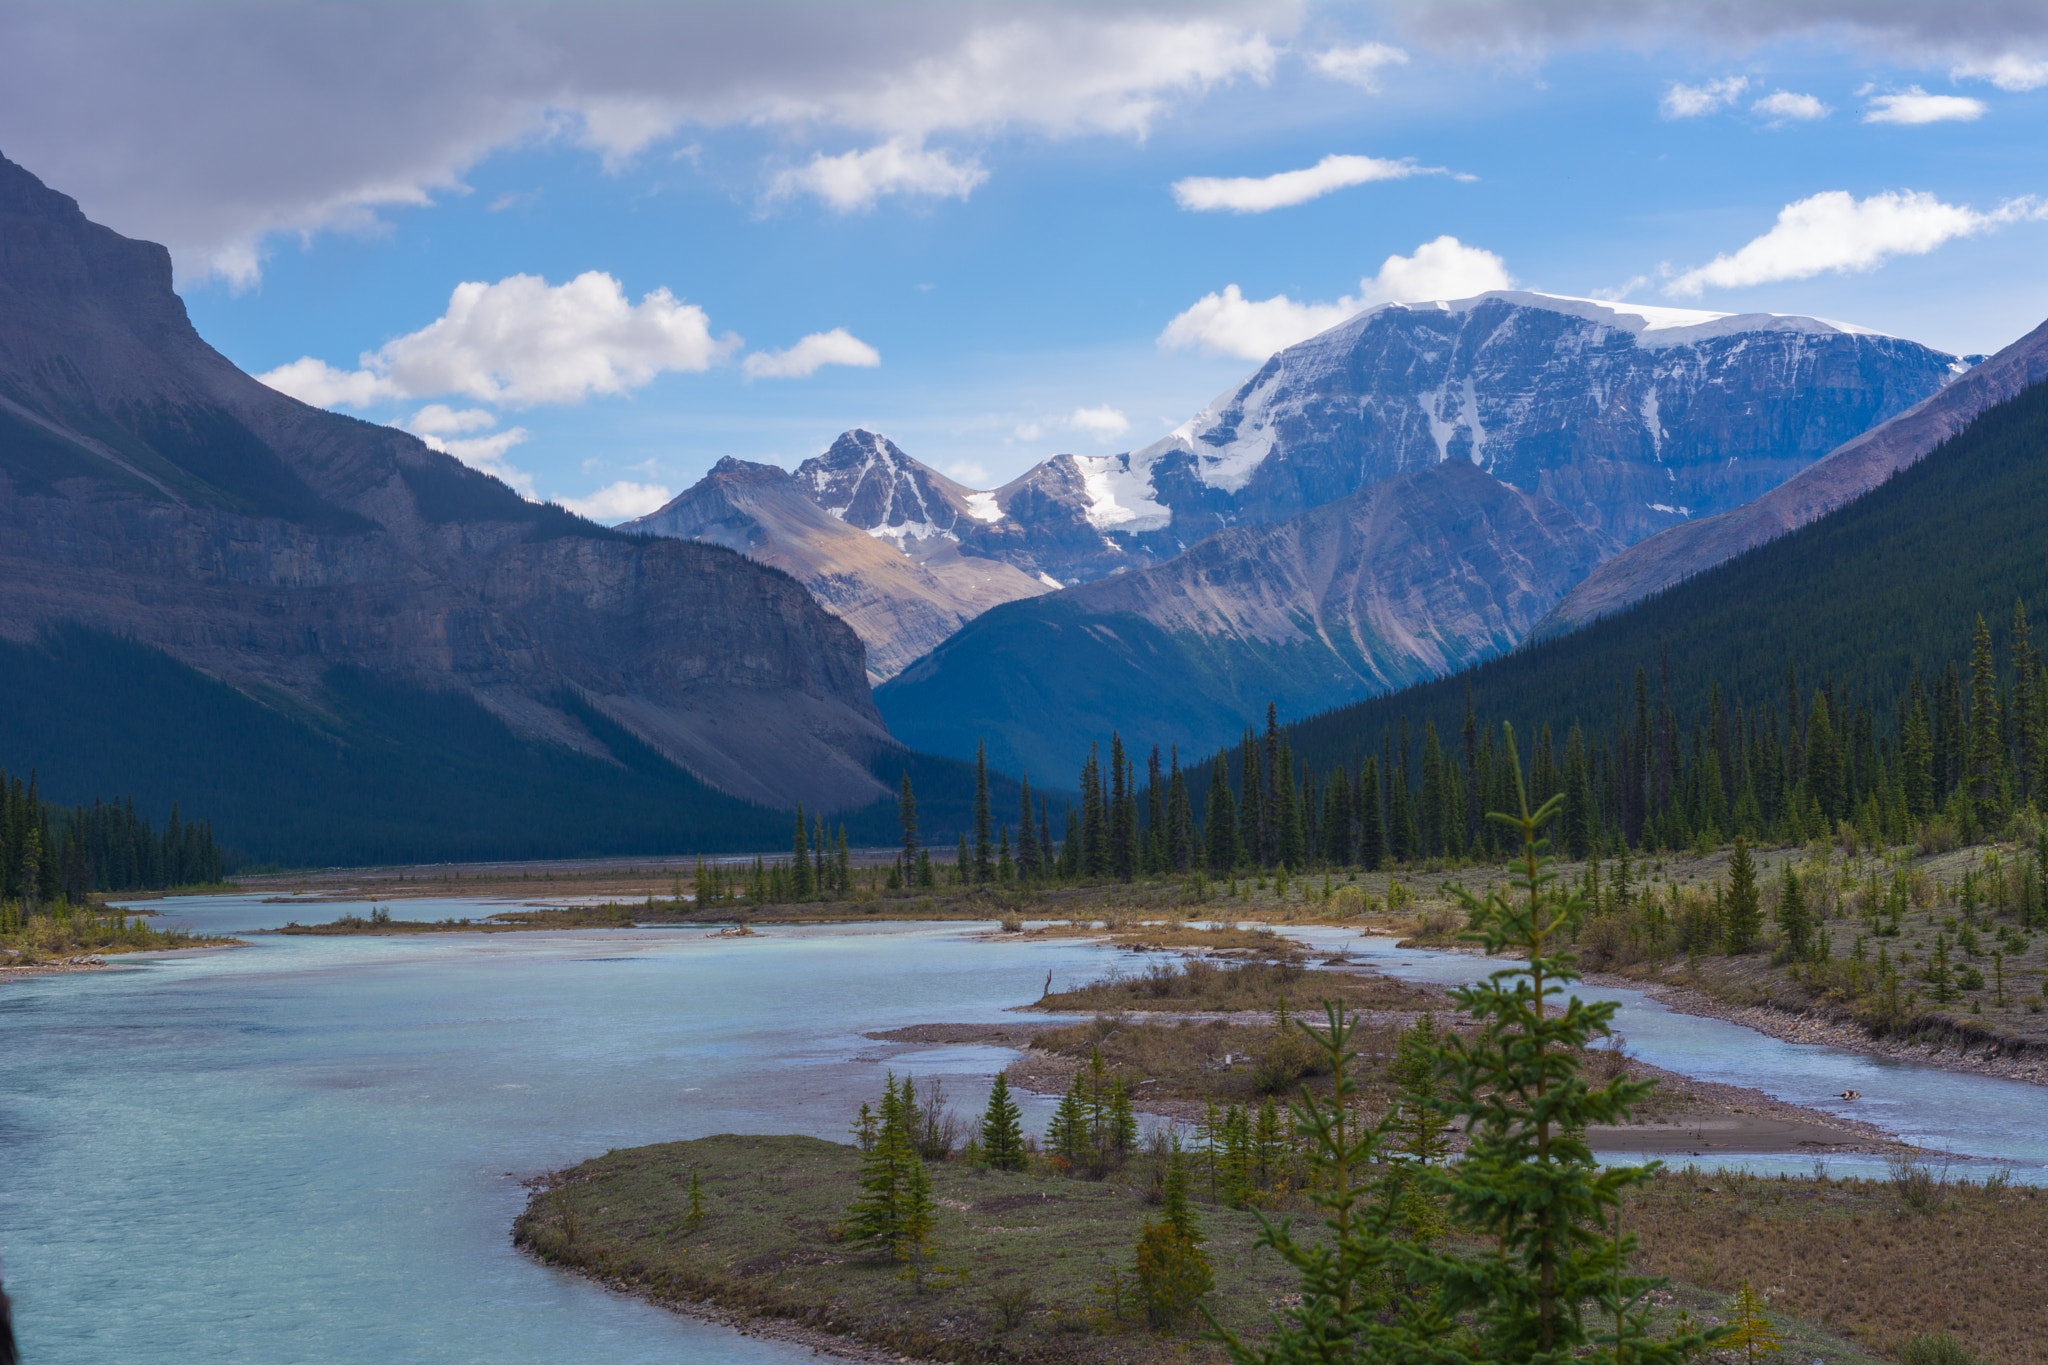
x=1881 y=1262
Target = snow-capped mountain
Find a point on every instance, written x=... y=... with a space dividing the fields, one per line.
x=902 y=593
x=1634 y=418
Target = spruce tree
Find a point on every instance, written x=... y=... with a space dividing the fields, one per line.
x=1094 y=817
x=1793 y=919
x=1002 y=1132
x=880 y=1219
x=906 y=811
x=1251 y=803
x=1527 y=1182
x=1220 y=831
x=1180 y=820
x=1028 y=855
x=1743 y=909
x=1985 y=772
x=1123 y=809
x=984 y=850
x=800 y=859
x=1371 y=823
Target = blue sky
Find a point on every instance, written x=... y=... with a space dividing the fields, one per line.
x=976 y=204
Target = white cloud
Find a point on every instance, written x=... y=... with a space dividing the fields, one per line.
x=438 y=419
x=1247 y=194
x=321 y=384
x=1692 y=101
x=854 y=180
x=1914 y=105
x=1834 y=231
x=487 y=453
x=1359 y=65
x=2006 y=70
x=1231 y=324
x=970 y=472
x=1030 y=431
x=1783 y=106
x=836 y=347
x=523 y=341
x=1104 y=423
x=621 y=501
x=214 y=126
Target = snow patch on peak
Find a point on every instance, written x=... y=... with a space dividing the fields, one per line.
x=982 y=507
x=1653 y=326
x=1120 y=493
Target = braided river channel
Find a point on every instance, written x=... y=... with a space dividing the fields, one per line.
x=312 y=1149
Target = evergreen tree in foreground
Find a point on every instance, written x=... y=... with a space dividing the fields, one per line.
x=1002 y=1132
x=1527 y=1190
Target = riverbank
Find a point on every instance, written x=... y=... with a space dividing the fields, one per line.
x=1979 y=1057
x=1034 y=1266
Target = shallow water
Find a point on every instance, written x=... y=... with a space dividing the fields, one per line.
x=1995 y=1121
x=310 y=1149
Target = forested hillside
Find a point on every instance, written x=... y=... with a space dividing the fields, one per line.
x=1875 y=668
x=405 y=775
x=1860 y=603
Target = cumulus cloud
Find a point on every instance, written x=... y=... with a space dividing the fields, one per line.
x=1783 y=106
x=1231 y=324
x=1693 y=101
x=522 y=341
x=214 y=126
x=855 y=180
x=836 y=347
x=1914 y=105
x=1257 y=194
x=1360 y=65
x=1836 y=232
x=437 y=423
x=1905 y=30
x=315 y=381
x=621 y=501
x=2006 y=70
x=1104 y=423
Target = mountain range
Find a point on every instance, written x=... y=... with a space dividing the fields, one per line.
x=155 y=496
x=1313 y=536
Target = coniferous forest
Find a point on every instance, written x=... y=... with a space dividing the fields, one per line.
x=49 y=854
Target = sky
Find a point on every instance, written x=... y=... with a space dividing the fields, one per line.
x=594 y=247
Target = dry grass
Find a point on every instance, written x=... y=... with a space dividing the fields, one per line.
x=1033 y=1248
x=1860 y=1258
x=1199 y=986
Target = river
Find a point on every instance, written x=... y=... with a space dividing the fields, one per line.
x=311 y=1149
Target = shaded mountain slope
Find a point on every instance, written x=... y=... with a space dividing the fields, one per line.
x=1848 y=472
x=1874 y=591
x=386 y=772
x=902 y=594
x=153 y=491
x=1412 y=577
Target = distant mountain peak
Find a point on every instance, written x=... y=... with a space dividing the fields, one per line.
x=866 y=480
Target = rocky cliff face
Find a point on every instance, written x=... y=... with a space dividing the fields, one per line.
x=1633 y=419
x=902 y=593
x=1853 y=469
x=1418 y=575
x=150 y=489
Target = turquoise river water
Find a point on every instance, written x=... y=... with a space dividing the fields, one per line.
x=311 y=1149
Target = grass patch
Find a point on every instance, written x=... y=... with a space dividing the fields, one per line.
x=1884 y=1263
x=1034 y=1249
x=1202 y=987
x=67 y=932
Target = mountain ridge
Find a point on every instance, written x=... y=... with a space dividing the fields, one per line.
x=153 y=491
x=1845 y=473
